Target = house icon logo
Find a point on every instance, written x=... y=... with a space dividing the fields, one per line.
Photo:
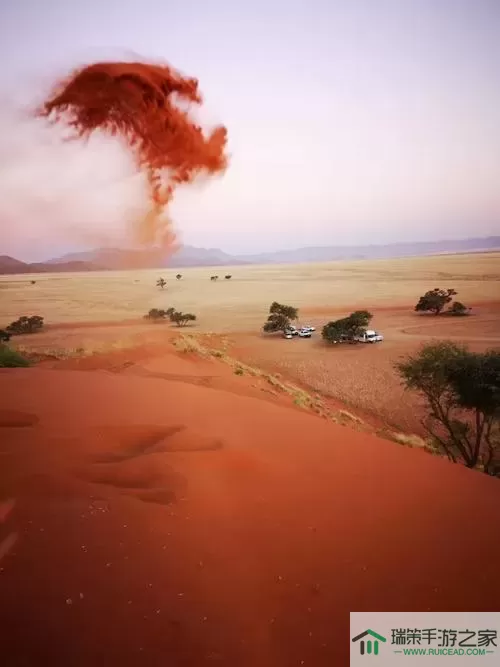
x=371 y=644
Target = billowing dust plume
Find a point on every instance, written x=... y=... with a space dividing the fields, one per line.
x=147 y=107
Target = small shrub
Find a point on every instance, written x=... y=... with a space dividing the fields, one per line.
x=25 y=325
x=4 y=336
x=458 y=309
x=10 y=358
x=161 y=283
x=238 y=371
x=156 y=314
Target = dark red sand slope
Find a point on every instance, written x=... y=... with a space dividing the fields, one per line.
x=159 y=523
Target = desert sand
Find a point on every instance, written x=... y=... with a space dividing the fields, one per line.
x=156 y=508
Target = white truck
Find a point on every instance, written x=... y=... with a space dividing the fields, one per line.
x=370 y=336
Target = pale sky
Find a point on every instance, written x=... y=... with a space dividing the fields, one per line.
x=349 y=121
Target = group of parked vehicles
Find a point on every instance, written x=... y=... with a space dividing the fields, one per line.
x=369 y=336
x=303 y=332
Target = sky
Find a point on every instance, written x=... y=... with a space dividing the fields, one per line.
x=349 y=121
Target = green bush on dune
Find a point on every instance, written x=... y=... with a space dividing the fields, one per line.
x=10 y=358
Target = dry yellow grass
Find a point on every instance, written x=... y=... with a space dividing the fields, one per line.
x=241 y=303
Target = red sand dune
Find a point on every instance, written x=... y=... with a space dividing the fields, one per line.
x=151 y=521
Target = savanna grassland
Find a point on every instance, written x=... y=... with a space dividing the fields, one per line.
x=91 y=311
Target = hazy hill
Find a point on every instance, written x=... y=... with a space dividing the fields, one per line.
x=389 y=251
x=115 y=258
x=191 y=256
x=12 y=266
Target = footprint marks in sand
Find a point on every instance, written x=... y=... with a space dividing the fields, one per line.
x=17 y=419
x=137 y=468
x=6 y=543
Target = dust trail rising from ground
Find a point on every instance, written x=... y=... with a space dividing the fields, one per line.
x=147 y=106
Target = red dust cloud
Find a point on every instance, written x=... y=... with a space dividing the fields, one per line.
x=147 y=106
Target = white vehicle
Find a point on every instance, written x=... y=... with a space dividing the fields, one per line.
x=305 y=333
x=370 y=336
x=308 y=328
x=286 y=334
x=293 y=331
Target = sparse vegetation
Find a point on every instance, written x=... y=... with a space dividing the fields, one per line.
x=178 y=276
x=347 y=328
x=280 y=317
x=161 y=282
x=181 y=319
x=4 y=336
x=189 y=344
x=10 y=358
x=239 y=371
x=214 y=277
x=462 y=394
x=25 y=325
x=228 y=277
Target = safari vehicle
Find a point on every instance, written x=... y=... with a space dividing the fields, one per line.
x=369 y=336
x=305 y=332
x=291 y=331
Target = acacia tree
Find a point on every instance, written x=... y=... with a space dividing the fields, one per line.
x=462 y=395
x=435 y=300
x=347 y=328
x=156 y=314
x=181 y=319
x=280 y=317
x=25 y=325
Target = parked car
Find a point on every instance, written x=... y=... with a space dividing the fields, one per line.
x=370 y=336
x=305 y=333
x=308 y=328
x=293 y=331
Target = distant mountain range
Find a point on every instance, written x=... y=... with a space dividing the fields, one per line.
x=115 y=258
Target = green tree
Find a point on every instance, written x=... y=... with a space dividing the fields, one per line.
x=4 y=336
x=161 y=283
x=347 y=328
x=25 y=325
x=462 y=394
x=156 y=314
x=280 y=317
x=181 y=319
x=435 y=300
